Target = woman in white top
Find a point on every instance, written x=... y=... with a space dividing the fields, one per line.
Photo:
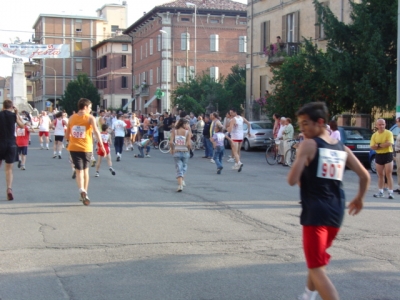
x=180 y=146
x=135 y=127
x=59 y=133
x=335 y=134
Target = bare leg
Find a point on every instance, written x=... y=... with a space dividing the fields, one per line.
x=235 y=154
x=99 y=158
x=380 y=172
x=109 y=162
x=179 y=180
x=23 y=160
x=9 y=175
x=323 y=284
x=388 y=172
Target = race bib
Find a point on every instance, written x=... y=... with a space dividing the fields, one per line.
x=180 y=140
x=20 y=131
x=331 y=164
x=104 y=138
x=78 y=132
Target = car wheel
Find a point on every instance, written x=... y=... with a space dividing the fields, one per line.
x=373 y=164
x=246 y=145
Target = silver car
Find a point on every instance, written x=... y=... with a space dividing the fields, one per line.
x=259 y=131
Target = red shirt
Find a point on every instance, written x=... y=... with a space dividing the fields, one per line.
x=22 y=136
x=128 y=123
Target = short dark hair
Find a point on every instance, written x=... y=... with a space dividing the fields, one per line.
x=102 y=110
x=7 y=104
x=315 y=111
x=59 y=114
x=333 y=125
x=182 y=114
x=104 y=127
x=233 y=109
x=278 y=116
x=83 y=102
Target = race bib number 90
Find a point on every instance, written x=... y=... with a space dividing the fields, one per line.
x=78 y=132
x=331 y=164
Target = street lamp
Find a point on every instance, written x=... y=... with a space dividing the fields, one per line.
x=166 y=95
x=195 y=34
x=55 y=84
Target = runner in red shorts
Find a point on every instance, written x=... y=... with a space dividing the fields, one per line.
x=318 y=169
x=106 y=138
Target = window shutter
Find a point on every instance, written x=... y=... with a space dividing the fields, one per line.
x=183 y=41
x=297 y=26
x=151 y=46
x=242 y=43
x=191 y=74
x=188 y=41
x=262 y=37
x=317 y=25
x=212 y=43
x=267 y=34
x=151 y=77
x=216 y=42
x=214 y=73
x=159 y=42
x=284 y=33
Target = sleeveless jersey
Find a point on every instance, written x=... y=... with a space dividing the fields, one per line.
x=180 y=141
x=105 y=136
x=44 y=123
x=59 y=128
x=322 y=196
x=80 y=139
x=237 y=130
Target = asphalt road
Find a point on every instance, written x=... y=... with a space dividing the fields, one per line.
x=229 y=236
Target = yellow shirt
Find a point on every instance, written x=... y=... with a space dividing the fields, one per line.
x=380 y=138
x=80 y=139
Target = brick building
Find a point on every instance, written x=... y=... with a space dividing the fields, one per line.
x=114 y=77
x=164 y=48
x=291 y=20
x=81 y=33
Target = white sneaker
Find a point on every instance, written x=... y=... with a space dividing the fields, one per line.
x=180 y=188
x=183 y=183
x=231 y=160
x=148 y=156
x=212 y=161
x=127 y=148
x=236 y=167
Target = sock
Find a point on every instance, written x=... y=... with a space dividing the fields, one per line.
x=55 y=152
x=47 y=145
x=41 y=145
x=309 y=295
x=381 y=191
x=390 y=191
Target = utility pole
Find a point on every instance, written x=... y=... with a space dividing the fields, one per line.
x=187 y=55
x=398 y=63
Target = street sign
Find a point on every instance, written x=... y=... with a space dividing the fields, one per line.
x=159 y=94
x=48 y=103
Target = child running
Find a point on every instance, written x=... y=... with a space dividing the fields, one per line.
x=106 y=138
x=218 y=142
x=23 y=137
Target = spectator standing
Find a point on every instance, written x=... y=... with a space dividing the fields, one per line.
x=206 y=136
x=335 y=133
x=277 y=124
x=287 y=134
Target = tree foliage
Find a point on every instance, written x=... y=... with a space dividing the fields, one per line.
x=196 y=94
x=81 y=87
x=357 y=72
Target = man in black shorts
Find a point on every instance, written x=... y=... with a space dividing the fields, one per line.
x=8 y=147
x=382 y=142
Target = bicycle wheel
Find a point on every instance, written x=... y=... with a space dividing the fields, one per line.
x=290 y=156
x=164 y=146
x=270 y=155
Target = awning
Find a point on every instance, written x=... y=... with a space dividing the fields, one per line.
x=149 y=102
x=129 y=102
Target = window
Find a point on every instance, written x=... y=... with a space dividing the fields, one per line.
x=124 y=47
x=319 y=27
x=214 y=73
x=242 y=44
x=78 y=45
x=114 y=28
x=214 y=42
x=151 y=77
x=180 y=74
x=185 y=41
x=105 y=103
x=123 y=61
x=265 y=37
x=214 y=21
x=146 y=51
x=78 y=64
x=134 y=55
x=159 y=42
x=185 y=19
x=124 y=102
x=102 y=83
x=28 y=90
x=124 y=82
x=158 y=75
x=191 y=72
x=141 y=52
x=151 y=46
x=290 y=27
x=103 y=62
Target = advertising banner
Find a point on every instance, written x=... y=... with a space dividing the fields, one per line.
x=32 y=51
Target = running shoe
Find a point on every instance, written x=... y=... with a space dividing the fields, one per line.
x=235 y=167
x=127 y=148
x=29 y=142
x=390 y=196
x=231 y=160
x=93 y=163
x=183 y=183
x=84 y=198
x=112 y=171
x=59 y=157
x=378 y=195
x=55 y=156
x=219 y=170
x=180 y=188
x=19 y=164
x=212 y=161
x=10 y=195
x=240 y=167
x=148 y=156
x=385 y=189
x=23 y=168
x=74 y=175
x=47 y=148
x=118 y=158
x=97 y=174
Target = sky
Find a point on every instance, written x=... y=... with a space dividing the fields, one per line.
x=17 y=19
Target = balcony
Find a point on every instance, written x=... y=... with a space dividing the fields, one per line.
x=142 y=90
x=35 y=38
x=277 y=55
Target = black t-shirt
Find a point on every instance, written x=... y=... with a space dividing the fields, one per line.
x=323 y=199
x=167 y=123
x=206 y=129
x=7 y=126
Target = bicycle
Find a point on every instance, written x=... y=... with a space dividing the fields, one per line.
x=271 y=154
x=290 y=154
x=197 y=140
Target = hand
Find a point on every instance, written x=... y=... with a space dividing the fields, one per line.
x=355 y=206
x=15 y=110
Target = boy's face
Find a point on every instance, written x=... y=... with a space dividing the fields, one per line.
x=308 y=127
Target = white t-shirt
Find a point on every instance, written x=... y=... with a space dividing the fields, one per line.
x=44 y=123
x=335 y=135
x=119 y=127
x=237 y=130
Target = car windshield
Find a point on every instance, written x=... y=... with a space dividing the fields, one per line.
x=261 y=125
x=358 y=134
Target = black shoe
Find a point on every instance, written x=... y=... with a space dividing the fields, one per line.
x=204 y=157
x=219 y=170
x=51 y=140
x=118 y=158
x=29 y=142
x=240 y=168
x=396 y=191
x=191 y=153
x=19 y=164
x=59 y=157
x=74 y=175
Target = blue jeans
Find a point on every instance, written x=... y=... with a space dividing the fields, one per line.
x=218 y=154
x=208 y=147
x=181 y=159
x=141 y=151
x=118 y=144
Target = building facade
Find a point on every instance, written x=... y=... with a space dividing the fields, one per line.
x=113 y=67
x=81 y=33
x=292 y=21
x=176 y=41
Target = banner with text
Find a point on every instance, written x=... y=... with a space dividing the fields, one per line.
x=33 y=51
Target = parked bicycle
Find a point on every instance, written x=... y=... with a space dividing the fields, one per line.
x=290 y=154
x=197 y=140
x=164 y=145
x=271 y=154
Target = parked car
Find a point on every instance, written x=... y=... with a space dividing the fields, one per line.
x=395 y=130
x=259 y=131
x=357 y=139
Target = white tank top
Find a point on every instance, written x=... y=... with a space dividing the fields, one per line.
x=59 y=128
x=180 y=142
x=237 y=130
x=44 y=123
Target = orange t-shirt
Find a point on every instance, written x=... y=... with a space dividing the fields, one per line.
x=80 y=139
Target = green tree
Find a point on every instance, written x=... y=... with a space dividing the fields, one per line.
x=81 y=87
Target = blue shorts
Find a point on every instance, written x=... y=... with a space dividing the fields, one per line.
x=23 y=150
